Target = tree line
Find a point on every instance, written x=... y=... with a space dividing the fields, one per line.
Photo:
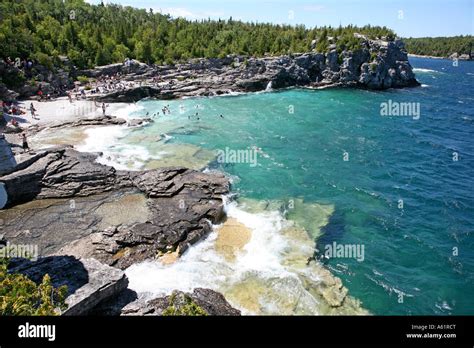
x=440 y=46
x=92 y=35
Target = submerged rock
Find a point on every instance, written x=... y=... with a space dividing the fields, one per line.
x=232 y=237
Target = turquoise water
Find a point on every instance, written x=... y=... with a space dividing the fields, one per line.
x=410 y=266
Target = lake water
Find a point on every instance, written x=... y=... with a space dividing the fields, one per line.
x=400 y=186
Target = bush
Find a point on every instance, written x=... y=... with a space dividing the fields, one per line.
x=13 y=79
x=44 y=59
x=83 y=79
x=190 y=308
x=21 y=296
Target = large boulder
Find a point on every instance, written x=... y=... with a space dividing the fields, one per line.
x=199 y=302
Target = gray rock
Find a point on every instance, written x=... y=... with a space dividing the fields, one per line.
x=138 y=122
x=177 y=210
x=212 y=302
x=89 y=282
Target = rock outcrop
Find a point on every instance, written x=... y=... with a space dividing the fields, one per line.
x=88 y=281
x=176 y=208
x=50 y=80
x=199 y=302
x=374 y=64
x=7 y=160
x=377 y=64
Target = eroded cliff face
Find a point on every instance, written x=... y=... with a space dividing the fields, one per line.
x=374 y=64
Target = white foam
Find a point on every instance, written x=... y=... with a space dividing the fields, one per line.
x=203 y=266
x=123 y=110
x=426 y=70
x=114 y=153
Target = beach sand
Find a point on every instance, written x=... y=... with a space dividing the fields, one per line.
x=61 y=110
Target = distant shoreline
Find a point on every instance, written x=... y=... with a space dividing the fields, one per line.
x=435 y=57
x=422 y=56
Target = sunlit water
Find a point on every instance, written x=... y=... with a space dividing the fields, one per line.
x=400 y=186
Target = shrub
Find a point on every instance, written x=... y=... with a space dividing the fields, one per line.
x=190 y=308
x=83 y=79
x=21 y=296
x=44 y=59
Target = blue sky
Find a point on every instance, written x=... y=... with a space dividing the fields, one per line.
x=414 y=18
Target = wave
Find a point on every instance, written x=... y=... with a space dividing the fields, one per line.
x=121 y=156
x=268 y=275
x=422 y=70
x=125 y=110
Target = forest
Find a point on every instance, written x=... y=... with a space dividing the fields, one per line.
x=92 y=35
x=440 y=46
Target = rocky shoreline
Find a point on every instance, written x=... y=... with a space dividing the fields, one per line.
x=91 y=222
x=453 y=56
x=94 y=221
x=377 y=64
x=67 y=200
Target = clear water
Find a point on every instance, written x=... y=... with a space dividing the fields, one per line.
x=410 y=266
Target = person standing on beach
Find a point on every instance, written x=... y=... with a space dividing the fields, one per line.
x=32 y=110
x=104 y=108
x=25 y=146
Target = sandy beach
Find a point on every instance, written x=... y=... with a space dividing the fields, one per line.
x=61 y=110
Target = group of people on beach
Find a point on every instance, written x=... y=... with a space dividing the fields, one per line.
x=23 y=64
x=110 y=83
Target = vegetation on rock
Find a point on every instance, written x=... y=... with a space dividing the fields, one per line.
x=21 y=296
x=188 y=308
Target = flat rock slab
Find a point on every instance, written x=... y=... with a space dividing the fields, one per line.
x=82 y=208
x=89 y=282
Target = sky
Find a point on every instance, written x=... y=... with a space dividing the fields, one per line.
x=409 y=18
